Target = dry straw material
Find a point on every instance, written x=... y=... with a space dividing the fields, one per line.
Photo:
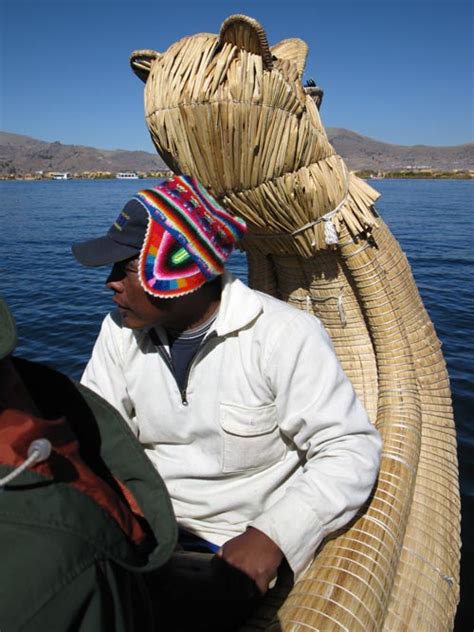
x=233 y=112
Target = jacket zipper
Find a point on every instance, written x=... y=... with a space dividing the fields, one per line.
x=204 y=342
x=169 y=363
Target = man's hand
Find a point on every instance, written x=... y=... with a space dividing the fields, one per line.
x=255 y=554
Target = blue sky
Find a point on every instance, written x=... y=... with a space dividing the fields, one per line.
x=400 y=71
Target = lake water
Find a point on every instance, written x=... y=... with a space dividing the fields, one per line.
x=59 y=305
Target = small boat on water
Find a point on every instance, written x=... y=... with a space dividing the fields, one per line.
x=60 y=175
x=127 y=175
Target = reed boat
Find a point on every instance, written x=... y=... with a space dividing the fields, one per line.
x=232 y=111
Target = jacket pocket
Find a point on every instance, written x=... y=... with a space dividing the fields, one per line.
x=251 y=437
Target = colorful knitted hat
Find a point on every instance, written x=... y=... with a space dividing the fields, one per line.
x=188 y=239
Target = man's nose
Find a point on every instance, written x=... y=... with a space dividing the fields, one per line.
x=116 y=286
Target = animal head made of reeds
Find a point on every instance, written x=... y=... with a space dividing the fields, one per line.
x=232 y=111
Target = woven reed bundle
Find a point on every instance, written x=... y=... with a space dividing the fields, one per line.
x=232 y=111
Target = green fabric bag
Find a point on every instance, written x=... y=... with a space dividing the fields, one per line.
x=66 y=562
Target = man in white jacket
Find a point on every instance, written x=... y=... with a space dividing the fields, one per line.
x=238 y=398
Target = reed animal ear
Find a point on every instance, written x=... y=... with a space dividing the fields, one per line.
x=141 y=61
x=248 y=34
x=294 y=50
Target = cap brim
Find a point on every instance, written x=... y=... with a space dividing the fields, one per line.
x=8 y=337
x=102 y=251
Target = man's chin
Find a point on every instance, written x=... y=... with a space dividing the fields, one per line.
x=130 y=321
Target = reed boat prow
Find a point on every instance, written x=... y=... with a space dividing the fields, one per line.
x=316 y=240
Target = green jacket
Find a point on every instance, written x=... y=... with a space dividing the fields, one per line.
x=73 y=552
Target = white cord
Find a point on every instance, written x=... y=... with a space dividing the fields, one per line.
x=330 y=233
x=38 y=451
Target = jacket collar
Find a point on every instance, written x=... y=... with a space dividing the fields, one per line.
x=239 y=306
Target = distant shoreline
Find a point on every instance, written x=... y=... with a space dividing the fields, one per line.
x=365 y=174
x=82 y=176
x=417 y=175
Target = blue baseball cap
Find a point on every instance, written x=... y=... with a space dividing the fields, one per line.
x=123 y=240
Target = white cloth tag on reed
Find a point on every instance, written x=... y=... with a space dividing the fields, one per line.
x=330 y=234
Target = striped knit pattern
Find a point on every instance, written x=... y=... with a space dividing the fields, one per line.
x=189 y=237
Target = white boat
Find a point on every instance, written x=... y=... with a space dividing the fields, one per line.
x=127 y=175
x=57 y=175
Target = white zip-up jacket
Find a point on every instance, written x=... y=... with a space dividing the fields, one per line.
x=268 y=432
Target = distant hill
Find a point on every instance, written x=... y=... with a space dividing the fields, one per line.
x=362 y=152
x=22 y=154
